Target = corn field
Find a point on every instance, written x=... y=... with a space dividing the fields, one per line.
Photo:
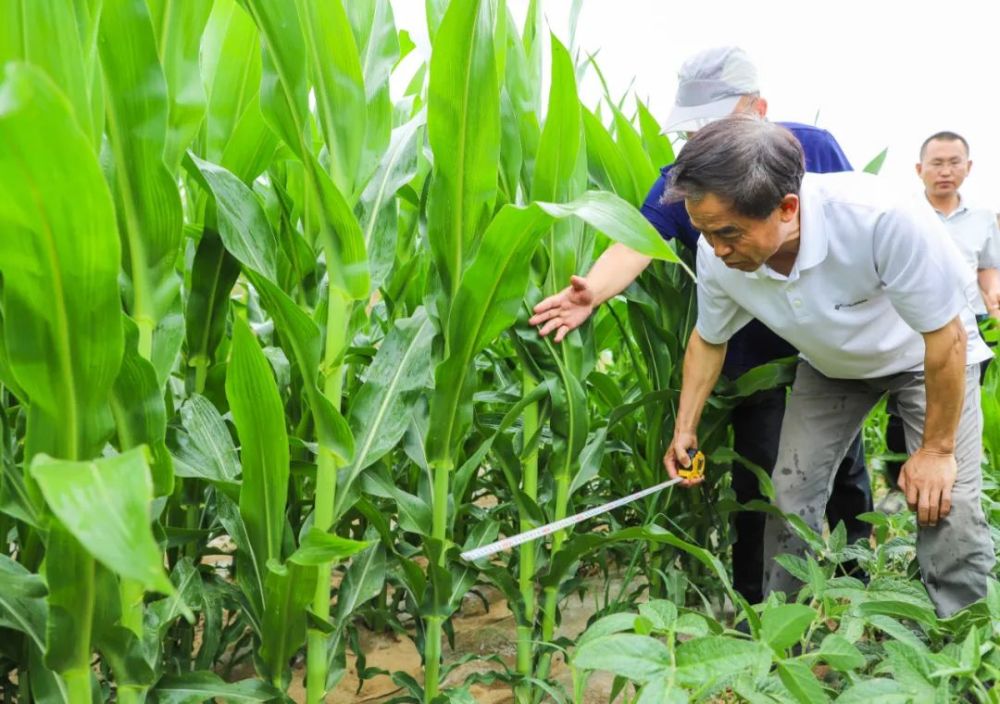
x=265 y=372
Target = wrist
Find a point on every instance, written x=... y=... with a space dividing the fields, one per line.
x=937 y=450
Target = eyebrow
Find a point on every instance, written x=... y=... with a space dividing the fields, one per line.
x=719 y=231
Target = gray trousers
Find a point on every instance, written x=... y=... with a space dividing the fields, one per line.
x=822 y=417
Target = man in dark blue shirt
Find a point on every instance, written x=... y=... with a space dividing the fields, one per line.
x=713 y=84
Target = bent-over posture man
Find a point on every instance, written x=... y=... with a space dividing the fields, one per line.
x=867 y=286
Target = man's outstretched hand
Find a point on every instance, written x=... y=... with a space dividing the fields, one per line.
x=566 y=310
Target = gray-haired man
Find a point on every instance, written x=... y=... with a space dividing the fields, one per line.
x=869 y=289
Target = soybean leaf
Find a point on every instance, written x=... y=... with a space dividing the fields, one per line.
x=710 y=659
x=881 y=690
x=783 y=625
x=639 y=658
x=839 y=653
x=801 y=682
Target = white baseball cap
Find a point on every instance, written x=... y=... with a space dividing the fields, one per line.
x=710 y=84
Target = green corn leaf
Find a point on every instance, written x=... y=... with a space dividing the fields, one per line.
x=559 y=146
x=318 y=548
x=69 y=573
x=288 y=589
x=213 y=274
x=260 y=422
x=196 y=687
x=206 y=449
x=487 y=303
x=638 y=658
x=657 y=144
x=621 y=222
x=377 y=206
x=44 y=34
x=875 y=165
x=105 y=505
x=338 y=85
x=179 y=26
x=59 y=259
x=236 y=134
x=139 y=412
x=606 y=162
x=463 y=126
x=644 y=172
x=380 y=411
x=22 y=605
x=781 y=626
x=149 y=205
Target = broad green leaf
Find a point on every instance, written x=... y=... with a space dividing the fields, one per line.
x=710 y=659
x=621 y=222
x=105 y=505
x=639 y=658
x=910 y=667
x=179 y=27
x=213 y=274
x=643 y=170
x=925 y=616
x=236 y=135
x=662 y=614
x=606 y=626
x=243 y=225
x=288 y=589
x=249 y=569
x=260 y=422
x=59 y=259
x=839 y=653
x=377 y=206
x=662 y=691
x=781 y=626
x=338 y=85
x=69 y=573
x=284 y=83
x=44 y=34
x=139 y=412
x=206 y=450
x=656 y=143
x=22 y=606
x=606 y=162
x=149 y=205
x=801 y=682
x=881 y=690
x=319 y=548
x=196 y=687
x=559 y=147
x=487 y=302
x=380 y=411
x=463 y=126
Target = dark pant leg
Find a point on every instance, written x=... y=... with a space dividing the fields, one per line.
x=756 y=429
x=895 y=441
x=852 y=494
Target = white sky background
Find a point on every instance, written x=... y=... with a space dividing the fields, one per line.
x=879 y=73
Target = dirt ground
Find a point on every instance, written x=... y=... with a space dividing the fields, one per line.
x=476 y=631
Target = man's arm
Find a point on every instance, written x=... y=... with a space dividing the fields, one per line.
x=702 y=366
x=611 y=274
x=928 y=476
x=989 y=287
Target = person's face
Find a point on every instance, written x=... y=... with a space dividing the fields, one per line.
x=739 y=241
x=944 y=167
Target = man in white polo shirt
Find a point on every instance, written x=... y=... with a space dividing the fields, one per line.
x=864 y=283
x=943 y=167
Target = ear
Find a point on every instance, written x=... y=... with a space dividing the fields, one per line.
x=920 y=169
x=788 y=208
x=968 y=167
x=760 y=107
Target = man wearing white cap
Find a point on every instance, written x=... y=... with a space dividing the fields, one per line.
x=713 y=84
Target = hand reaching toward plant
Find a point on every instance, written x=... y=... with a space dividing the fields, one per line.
x=566 y=310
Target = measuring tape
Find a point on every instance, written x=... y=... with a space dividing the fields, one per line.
x=695 y=471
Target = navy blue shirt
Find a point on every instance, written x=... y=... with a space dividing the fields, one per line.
x=754 y=344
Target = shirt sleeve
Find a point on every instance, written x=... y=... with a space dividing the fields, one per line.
x=920 y=267
x=989 y=258
x=719 y=316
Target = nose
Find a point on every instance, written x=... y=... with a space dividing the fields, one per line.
x=722 y=250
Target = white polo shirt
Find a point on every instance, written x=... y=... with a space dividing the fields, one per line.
x=873 y=271
x=974 y=231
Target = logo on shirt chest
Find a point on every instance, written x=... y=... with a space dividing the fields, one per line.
x=840 y=306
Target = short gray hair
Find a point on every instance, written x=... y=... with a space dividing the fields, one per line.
x=751 y=164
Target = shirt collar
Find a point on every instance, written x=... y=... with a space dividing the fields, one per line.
x=813 y=239
x=960 y=210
